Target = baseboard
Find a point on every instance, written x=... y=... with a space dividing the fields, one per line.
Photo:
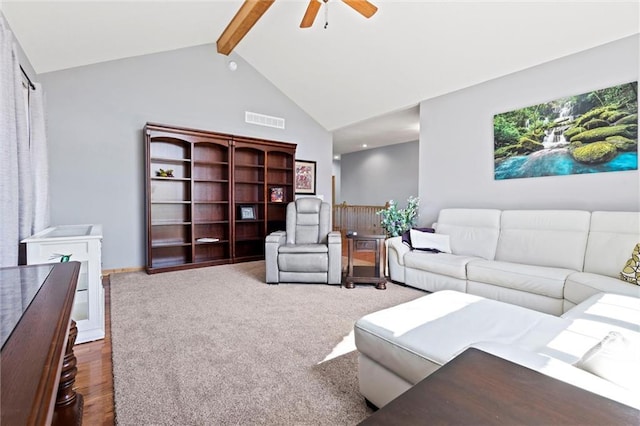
x=106 y=272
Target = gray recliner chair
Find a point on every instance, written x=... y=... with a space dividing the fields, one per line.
x=308 y=251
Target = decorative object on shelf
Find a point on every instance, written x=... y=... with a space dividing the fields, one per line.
x=247 y=212
x=165 y=173
x=277 y=195
x=207 y=240
x=397 y=221
x=305 y=179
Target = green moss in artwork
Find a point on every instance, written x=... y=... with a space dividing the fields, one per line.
x=623 y=144
x=594 y=113
x=573 y=131
x=628 y=119
x=595 y=123
x=601 y=133
x=594 y=153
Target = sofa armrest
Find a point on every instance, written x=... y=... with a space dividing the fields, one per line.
x=398 y=249
x=334 y=240
x=271 y=246
x=334 y=237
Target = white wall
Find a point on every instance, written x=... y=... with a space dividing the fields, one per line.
x=456 y=139
x=375 y=176
x=95 y=116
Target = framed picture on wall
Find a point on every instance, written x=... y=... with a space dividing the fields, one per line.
x=591 y=132
x=305 y=178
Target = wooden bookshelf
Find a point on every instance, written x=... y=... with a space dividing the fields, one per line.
x=199 y=184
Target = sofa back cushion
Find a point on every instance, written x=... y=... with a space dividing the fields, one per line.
x=612 y=237
x=308 y=221
x=472 y=232
x=555 y=238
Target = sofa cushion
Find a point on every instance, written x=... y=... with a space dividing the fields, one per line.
x=611 y=239
x=532 y=279
x=582 y=285
x=303 y=262
x=604 y=312
x=616 y=358
x=588 y=323
x=408 y=338
x=554 y=238
x=473 y=232
x=439 y=263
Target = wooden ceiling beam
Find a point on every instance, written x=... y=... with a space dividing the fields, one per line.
x=242 y=22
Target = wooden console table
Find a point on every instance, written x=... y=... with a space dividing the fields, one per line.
x=365 y=274
x=38 y=367
x=481 y=389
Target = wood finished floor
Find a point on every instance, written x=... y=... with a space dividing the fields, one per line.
x=95 y=372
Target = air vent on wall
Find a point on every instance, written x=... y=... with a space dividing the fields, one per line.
x=263 y=120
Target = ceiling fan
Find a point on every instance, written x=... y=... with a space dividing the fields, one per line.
x=363 y=7
x=252 y=10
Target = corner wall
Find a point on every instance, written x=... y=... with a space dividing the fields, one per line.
x=456 y=139
x=95 y=117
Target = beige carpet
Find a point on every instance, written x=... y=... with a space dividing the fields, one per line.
x=217 y=346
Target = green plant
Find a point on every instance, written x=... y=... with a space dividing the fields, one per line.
x=397 y=221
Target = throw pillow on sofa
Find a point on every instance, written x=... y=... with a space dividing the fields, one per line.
x=430 y=241
x=616 y=358
x=631 y=271
x=406 y=237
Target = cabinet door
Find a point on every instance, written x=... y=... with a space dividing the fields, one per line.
x=249 y=198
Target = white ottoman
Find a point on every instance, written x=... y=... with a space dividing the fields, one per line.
x=400 y=346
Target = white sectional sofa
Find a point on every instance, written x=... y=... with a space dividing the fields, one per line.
x=401 y=345
x=567 y=315
x=547 y=260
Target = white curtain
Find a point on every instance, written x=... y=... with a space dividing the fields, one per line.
x=39 y=160
x=19 y=160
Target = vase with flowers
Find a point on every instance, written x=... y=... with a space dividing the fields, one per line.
x=396 y=221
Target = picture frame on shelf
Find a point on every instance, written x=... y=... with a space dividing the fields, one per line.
x=277 y=194
x=247 y=212
x=305 y=177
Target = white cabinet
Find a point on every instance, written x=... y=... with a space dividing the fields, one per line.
x=82 y=243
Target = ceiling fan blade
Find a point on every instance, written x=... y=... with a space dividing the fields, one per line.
x=242 y=22
x=310 y=14
x=363 y=7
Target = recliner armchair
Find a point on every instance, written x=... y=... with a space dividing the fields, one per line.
x=308 y=251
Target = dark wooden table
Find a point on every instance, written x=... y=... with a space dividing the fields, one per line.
x=37 y=364
x=365 y=274
x=477 y=388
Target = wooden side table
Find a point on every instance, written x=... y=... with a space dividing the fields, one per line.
x=366 y=274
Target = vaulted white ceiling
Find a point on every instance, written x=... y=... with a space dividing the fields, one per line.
x=349 y=75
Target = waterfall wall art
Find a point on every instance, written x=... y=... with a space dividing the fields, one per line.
x=588 y=133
